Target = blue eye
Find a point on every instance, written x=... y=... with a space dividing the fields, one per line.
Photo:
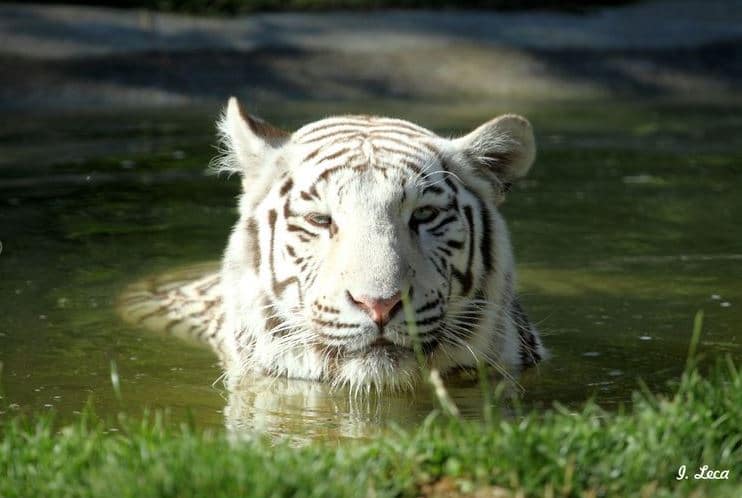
x=424 y=214
x=319 y=219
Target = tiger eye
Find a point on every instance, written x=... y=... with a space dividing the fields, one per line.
x=424 y=214
x=319 y=219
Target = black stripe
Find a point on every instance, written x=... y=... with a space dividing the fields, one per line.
x=296 y=228
x=334 y=325
x=443 y=222
x=419 y=146
x=408 y=163
x=286 y=187
x=453 y=204
x=529 y=355
x=311 y=154
x=287 y=210
x=429 y=306
x=352 y=128
x=444 y=250
x=432 y=188
x=278 y=287
x=486 y=244
x=384 y=130
x=393 y=150
x=466 y=278
x=253 y=242
x=451 y=184
x=438 y=269
x=333 y=155
x=360 y=166
x=430 y=320
x=338 y=134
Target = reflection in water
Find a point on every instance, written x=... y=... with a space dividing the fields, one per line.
x=304 y=410
x=307 y=410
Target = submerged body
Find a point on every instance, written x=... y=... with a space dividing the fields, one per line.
x=362 y=243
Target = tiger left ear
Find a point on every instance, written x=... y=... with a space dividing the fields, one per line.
x=246 y=139
x=504 y=147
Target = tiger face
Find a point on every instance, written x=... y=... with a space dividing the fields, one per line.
x=363 y=241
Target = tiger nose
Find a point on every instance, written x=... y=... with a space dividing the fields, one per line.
x=379 y=309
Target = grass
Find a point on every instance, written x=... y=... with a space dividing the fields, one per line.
x=632 y=452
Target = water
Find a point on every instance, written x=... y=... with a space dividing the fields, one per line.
x=626 y=227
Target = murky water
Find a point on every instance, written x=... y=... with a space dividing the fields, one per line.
x=627 y=226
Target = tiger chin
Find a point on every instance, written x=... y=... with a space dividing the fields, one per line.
x=364 y=244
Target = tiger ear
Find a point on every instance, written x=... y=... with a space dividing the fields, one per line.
x=504 y=147
x=246 y=139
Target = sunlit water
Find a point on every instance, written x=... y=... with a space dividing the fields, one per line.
x=628 y=224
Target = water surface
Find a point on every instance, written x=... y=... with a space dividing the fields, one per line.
x=628 y=224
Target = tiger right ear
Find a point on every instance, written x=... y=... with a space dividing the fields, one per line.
x=504 y=147
x=245 y=138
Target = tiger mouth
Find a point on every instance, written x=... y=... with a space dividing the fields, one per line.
x=383 y=343
x=383 y=348
x=380 y=345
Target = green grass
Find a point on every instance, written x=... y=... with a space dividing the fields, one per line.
x=633 y=452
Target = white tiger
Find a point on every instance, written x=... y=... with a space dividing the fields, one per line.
x=343 y=224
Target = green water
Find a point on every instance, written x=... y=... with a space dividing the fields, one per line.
x=628 y=224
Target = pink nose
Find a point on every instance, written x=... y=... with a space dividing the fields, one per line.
x=380 y=310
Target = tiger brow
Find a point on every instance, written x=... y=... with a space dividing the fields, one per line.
x=435 y=189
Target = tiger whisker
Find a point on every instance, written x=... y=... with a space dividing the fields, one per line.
x=489 y=360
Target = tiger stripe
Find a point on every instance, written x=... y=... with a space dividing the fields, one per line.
x=253 y=242
x=277 y=286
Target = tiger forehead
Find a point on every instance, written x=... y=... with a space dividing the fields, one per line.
x=363 y=143
x=361 y=126
x=355 y=182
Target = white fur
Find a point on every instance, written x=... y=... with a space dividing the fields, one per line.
x=373 y=253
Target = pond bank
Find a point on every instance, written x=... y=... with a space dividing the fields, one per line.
x=65 y=57
x=556 y=453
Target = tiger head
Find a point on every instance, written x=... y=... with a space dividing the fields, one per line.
x=364 y=243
